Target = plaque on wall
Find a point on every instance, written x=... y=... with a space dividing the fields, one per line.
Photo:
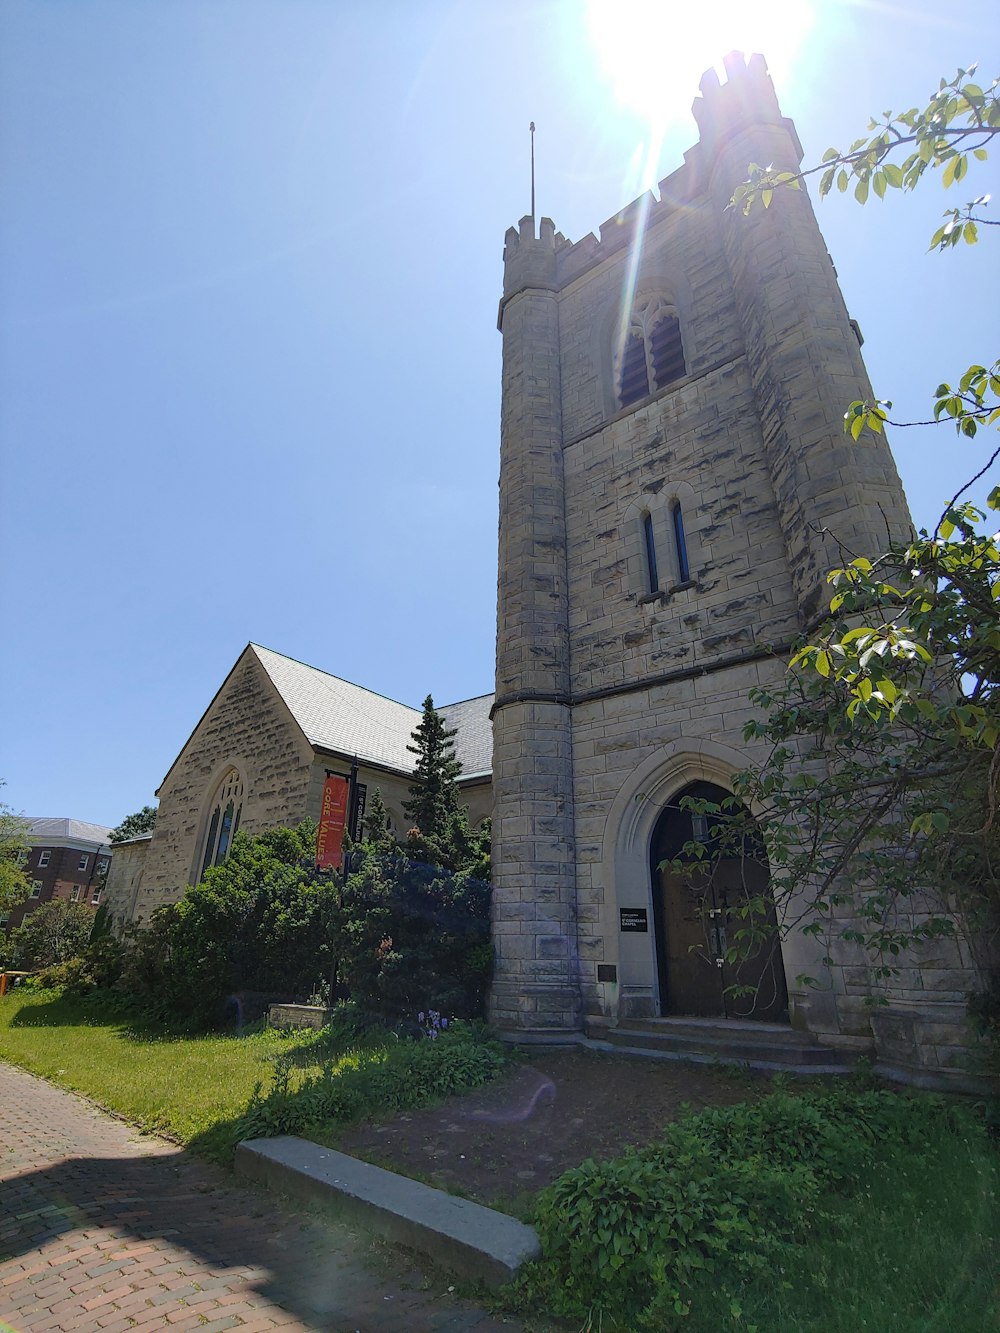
x=634 y=918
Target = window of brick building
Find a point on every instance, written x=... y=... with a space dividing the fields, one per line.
x=43 y=859
x=74 y=897
x=36 y=888
x=83 y=863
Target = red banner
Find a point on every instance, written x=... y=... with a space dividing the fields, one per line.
x=332 y=822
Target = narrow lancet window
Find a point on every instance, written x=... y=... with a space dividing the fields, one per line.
x=653 y=578
x=635 y=375
x=683 y=568
x=213 y=830
x=667 y=351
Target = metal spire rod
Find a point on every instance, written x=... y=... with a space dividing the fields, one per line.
x=531 y=127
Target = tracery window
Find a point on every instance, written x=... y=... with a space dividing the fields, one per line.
x=652 y=354
x=226 y=807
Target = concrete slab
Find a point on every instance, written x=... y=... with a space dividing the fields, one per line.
x=471 y=1240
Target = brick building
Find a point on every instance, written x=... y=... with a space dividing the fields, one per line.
x=69 y=859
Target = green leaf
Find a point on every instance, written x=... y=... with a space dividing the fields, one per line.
x=861 y=190
x=878 y=184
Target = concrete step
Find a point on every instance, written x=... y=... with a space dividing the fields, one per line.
x=471 y=1240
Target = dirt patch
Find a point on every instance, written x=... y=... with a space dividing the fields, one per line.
x=503 y=1143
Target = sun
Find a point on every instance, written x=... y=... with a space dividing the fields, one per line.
x=654 y=52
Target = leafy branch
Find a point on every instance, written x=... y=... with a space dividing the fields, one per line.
x=959 y=121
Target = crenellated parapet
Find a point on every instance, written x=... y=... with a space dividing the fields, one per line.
x=746 y=99
x=723 y=112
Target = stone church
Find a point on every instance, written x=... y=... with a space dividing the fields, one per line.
x=672 y=456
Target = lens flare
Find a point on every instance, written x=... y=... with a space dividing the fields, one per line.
x=653 y=54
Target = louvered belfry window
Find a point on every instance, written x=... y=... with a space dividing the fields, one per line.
x=635 y=375
x=653 y=354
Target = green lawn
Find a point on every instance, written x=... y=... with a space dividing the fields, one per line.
x=181 y=1086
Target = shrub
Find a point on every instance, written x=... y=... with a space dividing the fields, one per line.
x=723 y=1192
x=54 y=932
x=412 y=934
x=396 y=1075
x=97 y=968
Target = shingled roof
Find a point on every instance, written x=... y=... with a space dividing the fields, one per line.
x=347 y=719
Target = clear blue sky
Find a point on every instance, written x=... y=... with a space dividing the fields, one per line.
x=250 y=255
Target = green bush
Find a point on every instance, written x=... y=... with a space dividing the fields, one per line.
x=412 y=935
x=52 y=933
x=723 y=1192
x=98 y=967
x=394 y=1076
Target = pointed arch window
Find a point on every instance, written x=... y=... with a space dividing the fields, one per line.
x=649 y=539
x=680 y=543
x=652 y=356
x=226 y=807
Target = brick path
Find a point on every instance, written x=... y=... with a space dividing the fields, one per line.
x=103 y=1230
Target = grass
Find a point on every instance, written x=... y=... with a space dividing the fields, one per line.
x=181 y=1086
x=913 y=1250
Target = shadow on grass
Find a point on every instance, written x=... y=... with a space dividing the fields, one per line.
x=107 y=1010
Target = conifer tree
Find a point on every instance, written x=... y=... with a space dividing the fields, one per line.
x=378 y=838
x=433 y=794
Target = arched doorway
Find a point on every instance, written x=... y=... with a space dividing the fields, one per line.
x=698 y=914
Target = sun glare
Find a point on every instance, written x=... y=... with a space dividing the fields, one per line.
x=654 y=52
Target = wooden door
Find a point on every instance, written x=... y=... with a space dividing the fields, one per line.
x=699 y=913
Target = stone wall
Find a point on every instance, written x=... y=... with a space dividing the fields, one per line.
x=248 y=727
x=750 y=444
x=124 y=877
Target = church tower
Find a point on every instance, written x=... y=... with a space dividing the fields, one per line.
x=675 y=483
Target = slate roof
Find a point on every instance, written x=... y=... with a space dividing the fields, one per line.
x=71 y=831
x=350 y=720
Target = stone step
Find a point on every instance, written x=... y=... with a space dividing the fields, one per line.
x=473 y=1241
x=727 y=1028
x=757 y=1045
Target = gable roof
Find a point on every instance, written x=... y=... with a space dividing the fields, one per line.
x=334 y=714
x=474 y=741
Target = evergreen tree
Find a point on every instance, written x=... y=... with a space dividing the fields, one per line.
x=378 y=838
x=433 y=794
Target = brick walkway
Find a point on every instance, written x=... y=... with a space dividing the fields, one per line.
x=102 y=1229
